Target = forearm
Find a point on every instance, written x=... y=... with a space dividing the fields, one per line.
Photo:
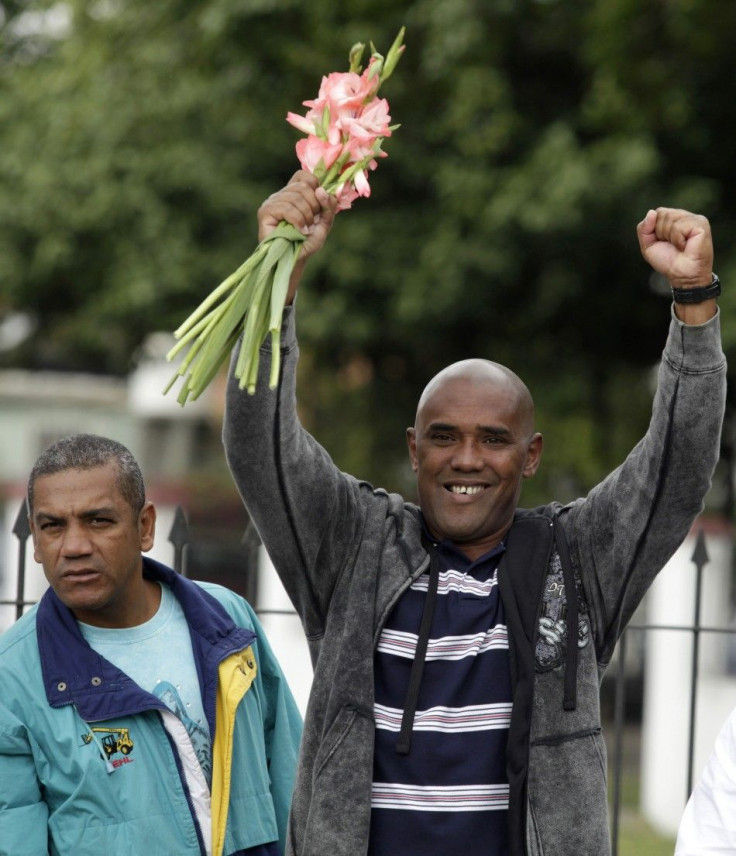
x=629 y=525
x=303 y=507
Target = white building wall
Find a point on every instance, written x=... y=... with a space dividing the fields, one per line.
x=667 y=677
x=284 y=632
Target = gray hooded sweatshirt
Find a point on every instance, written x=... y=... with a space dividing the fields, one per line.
x=346 y=552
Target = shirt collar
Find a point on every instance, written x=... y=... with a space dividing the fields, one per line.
x=451 y=549
x=74 y=673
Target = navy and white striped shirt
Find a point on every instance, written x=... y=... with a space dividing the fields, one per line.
x=450 y=793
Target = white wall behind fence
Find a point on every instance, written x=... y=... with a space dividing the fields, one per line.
x=667 y=676
x=284 y=632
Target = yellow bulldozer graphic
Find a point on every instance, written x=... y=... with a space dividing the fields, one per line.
x=115 y=740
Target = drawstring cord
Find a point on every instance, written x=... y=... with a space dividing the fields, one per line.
x=403 y=746
x=569 y=701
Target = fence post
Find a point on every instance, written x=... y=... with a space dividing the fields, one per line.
x=179 y=537
x=22 y=531
x=700 y=558
x=619 y=711
x=251 y=541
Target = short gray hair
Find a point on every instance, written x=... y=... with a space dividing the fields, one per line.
x=86 y=452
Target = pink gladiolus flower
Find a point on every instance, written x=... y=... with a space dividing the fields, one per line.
x=371 y=122
x=306 y=124
x=346 y=124
x=344 y=128
x=312 y=151
x=361 y=149
x=346 y=196
x=360 y=180
x=345 y=91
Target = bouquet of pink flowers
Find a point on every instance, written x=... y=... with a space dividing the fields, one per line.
x=345 y=127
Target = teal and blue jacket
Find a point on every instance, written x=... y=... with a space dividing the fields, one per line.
x=87 y=765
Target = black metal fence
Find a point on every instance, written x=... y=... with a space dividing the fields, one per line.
x=179 y=537
x=700 y=558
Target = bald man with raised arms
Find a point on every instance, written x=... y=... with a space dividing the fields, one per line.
x=458 y=643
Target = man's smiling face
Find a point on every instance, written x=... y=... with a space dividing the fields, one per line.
x=472 y=444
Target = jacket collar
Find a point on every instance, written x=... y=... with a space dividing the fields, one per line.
x=73 y=673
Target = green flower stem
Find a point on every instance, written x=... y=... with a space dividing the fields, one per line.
x=195 y=392
x=349 y=174
x=202 y=325
x=333 y=174
x=255 y=328
x=191 y=354
x=251 y=343
x=393 y=56
x=222 y=289
x=279 y=291
x=212 y=330
x=251 y=300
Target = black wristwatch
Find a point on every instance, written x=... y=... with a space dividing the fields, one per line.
x=697 y=295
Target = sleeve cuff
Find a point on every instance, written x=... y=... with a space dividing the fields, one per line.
x=695 y=347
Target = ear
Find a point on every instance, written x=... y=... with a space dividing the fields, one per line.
x=36 y=554
x=147 y=526
x=411 y=439
x=533 y=456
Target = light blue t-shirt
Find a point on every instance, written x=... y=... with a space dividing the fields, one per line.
x=158 y=656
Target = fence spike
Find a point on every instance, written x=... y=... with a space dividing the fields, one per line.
x=179 y=537
x=179 y=532
x=700 y=555
x=22 y=528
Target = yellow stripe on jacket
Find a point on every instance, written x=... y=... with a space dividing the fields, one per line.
x=235 y=675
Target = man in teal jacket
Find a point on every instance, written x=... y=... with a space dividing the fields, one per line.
x=140 y=712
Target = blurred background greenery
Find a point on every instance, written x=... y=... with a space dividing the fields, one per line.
x=138 y=138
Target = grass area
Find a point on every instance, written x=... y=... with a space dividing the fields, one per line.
x=635 y=836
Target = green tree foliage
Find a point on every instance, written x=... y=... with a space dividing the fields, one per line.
x=137 y=140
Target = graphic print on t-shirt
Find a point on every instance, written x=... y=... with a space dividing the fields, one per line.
x=197 y=734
